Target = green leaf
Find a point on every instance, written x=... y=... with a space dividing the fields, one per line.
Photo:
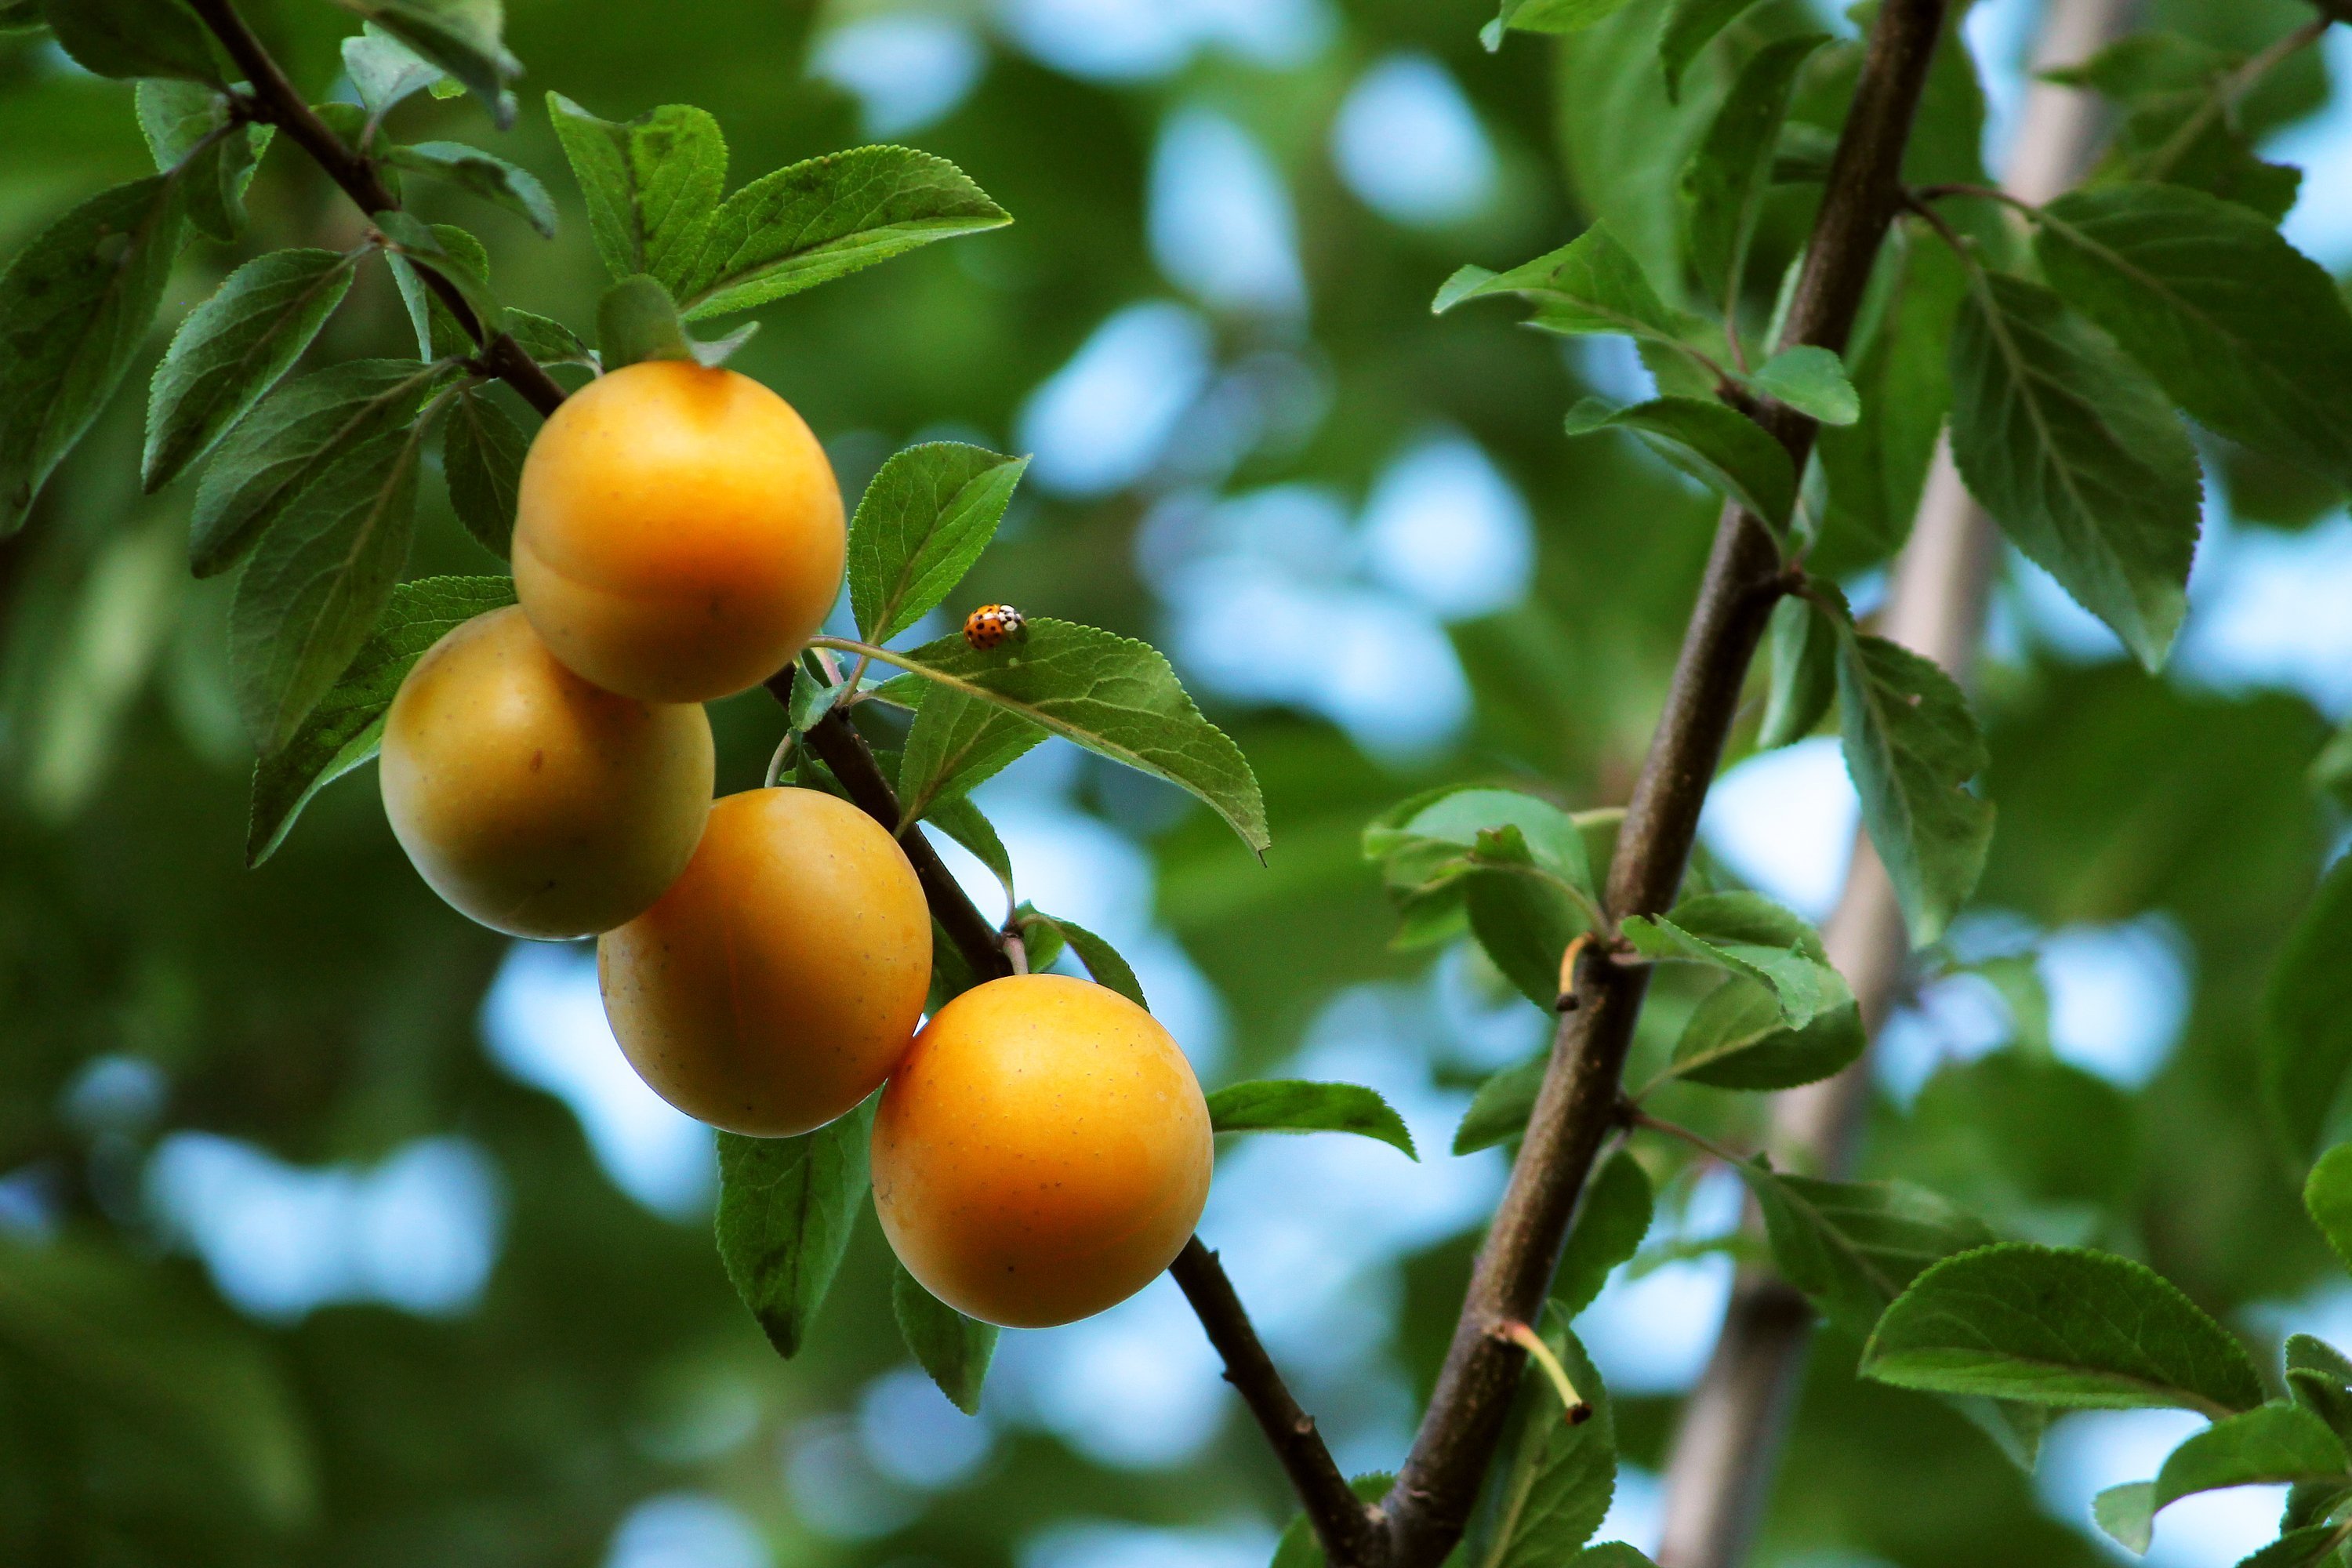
x=1548 y=17
x=1747 y=934
x=1524 y=924
x=2241 y=330
x=1877 y=467
x=346 y=728
x=786 y=1209
x=383 y=70
x=959 y=741
x=2080 y=459
x=636 y=320
x=464 y=37
x=549 y=342
x=2331 y=771
x=1499 y=1111
x=1552 y=1484
x=1592 y=284
x=1911 y=745
x=17 y=16
x=318 y=582
x=187 y=130
x=1854 y=1247
x=2070 y=1328
x=924 y=519
x=457 y=257
x=1718 y=446
x=489 y=177
x=295 y=434
x=954 y=1349
x=2279 y=1444
x=2127 y=1513
x=2181 y=126
x=2303 y=1548
x=1102 y=960
x=1725 y=183
x=1812 y=382
x=2269 y=1445
x=2306 y=1032
x=1691 y=26
x=1613 y=1217
x=2319 y=1379
x=1736 y=1039
x=130 y=38
x=234 y=348
x=651 y=185
x=827 y=217
x=438 y=335
x=1111 y=695
x=74 y=306
x=1804 y=643
x=2327 y=1197
x=1290 y=1105
x=482 y=451
x=963 y=822
x=1611 y=1555
x=1449 y=831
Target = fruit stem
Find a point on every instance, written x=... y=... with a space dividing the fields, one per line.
x=1017 y=950
x=783 y=754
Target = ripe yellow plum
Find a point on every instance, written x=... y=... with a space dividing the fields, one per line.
x=535 y=802
x=780 y=980
x=678 y=532
x=1042 y=1154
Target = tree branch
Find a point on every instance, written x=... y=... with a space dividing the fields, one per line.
x=276 y=101
x=1728 y=1441
x=1439 y=1484
x=1347 y=1528
x=841 y=748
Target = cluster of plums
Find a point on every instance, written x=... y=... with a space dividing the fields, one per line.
x=1042 y=1149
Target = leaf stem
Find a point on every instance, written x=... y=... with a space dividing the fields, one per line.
x=1699 y=1140
x=1578 y=1409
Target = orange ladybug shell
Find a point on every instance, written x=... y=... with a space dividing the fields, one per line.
x=992 y=626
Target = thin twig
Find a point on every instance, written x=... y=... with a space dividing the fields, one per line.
x=1579 y=1097
x=1349 y=1530
x=276 y=101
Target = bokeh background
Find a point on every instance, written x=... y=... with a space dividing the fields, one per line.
x=334 y=1230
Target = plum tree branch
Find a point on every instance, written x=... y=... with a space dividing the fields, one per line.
x=1347 y=1528
x=1728 y=1441
x=1426 y=1512
x=275 y=100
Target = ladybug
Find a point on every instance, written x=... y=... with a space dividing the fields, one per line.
x=991 y=625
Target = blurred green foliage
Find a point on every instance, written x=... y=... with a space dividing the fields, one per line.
x=325 y=1007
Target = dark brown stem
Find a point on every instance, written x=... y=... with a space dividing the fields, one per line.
x=276 y=101
x=837 y=745
x=1577 y=1101
x=1348 y=1530
x=1345 y=1526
